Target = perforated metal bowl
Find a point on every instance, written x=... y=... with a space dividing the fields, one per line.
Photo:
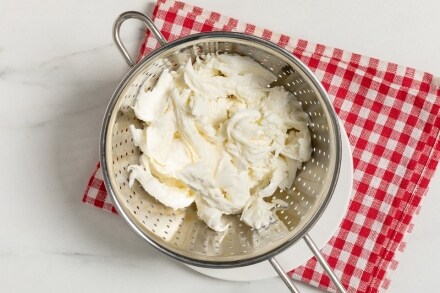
x=180 y=234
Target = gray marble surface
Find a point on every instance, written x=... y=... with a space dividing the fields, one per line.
x=58 y=69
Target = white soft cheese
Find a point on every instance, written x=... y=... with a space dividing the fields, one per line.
x=216 y=135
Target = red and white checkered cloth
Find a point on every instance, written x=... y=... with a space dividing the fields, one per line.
x=391 y=115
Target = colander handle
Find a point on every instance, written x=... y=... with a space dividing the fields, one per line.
x=286 y=279
x=312 y=246
x=289 y=282
x=139 y=16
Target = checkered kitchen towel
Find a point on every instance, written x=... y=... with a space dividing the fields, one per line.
x=391 y=115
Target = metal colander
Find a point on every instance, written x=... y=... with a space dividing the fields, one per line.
x=180 y=233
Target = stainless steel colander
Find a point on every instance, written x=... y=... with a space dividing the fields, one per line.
x=180 y=234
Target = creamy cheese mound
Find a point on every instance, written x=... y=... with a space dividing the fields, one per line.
x=217 y=136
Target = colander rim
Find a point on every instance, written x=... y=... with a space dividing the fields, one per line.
x=231 y=36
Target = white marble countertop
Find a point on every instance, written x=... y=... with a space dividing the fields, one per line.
x=58 y=69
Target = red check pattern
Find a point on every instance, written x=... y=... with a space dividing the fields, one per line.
x=391 y=115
